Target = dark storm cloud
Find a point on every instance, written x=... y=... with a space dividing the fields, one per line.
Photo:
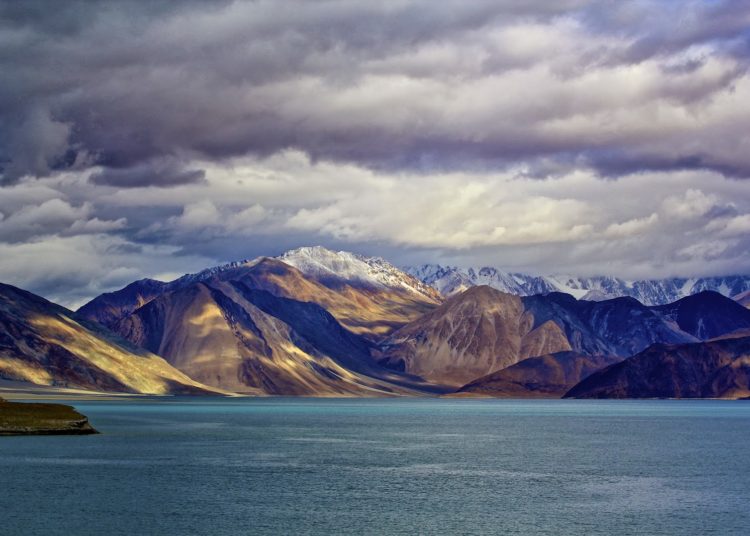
x=417 y=85
x=156 y=138
x=163 y=174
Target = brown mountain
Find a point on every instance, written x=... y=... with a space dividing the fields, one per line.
x=547 y=376
x=108 y=308
x=370 y=310
x=483 y=330
x=715 y=369
x=46 y=344
x=472 y=334
x=234 y=335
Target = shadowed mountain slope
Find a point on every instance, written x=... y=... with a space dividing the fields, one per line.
x=371 y=308
x=483 y=330
x=706 y=315
x=110 y=307
x=472 y=334
x=620 y=326
x=45 y=344
x=715 y=369
x=233 y=335
x=547 y=376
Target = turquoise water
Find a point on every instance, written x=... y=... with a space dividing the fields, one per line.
x=311 y=466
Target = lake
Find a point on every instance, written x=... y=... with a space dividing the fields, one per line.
x=397 y=466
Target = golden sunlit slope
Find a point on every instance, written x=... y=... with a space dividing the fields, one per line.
x=236 y=336
x=45 y=344
x=371 y=311
x=368 y=309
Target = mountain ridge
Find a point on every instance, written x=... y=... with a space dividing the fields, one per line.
x=451 y=279
x=45 y=344
x=482 y=330
x=713 y=369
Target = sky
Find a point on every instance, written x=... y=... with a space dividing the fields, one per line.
x=150 y=139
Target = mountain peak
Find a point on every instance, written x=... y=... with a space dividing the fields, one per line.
x=451 y=280
x=330 y=266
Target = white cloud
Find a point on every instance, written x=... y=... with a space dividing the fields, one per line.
x=535 y=136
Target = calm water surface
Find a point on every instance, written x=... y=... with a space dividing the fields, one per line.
x=311 y=466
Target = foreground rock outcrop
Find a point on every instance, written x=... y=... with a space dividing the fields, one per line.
x=42 y=419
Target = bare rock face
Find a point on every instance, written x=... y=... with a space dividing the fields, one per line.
x=324 y=323
x=483 y=330
x=715 y=369
x=546 y=376
x=707 y=315
x=110 y=307
x=620 y=326
x=235 y=336
x=370 y=297
x=42 y=419
x=472 y=334
x=45 y=344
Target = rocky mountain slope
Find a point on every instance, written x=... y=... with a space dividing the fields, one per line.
x=110 y=307
x=706 y=315
x=483 y=330
x=336 y=269
x=450 y=280
x=45 y=344
x=743 y=298
x=547 y=376
x=714 y=369
x=472 y=334
x=244 y=336
x=368 y=296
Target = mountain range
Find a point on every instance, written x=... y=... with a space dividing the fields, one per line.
x=449 y=280
x=315 y=322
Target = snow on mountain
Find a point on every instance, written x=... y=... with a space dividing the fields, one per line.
x=208 y=273
x=743 y=298
x=450 y=280
x=324 y=264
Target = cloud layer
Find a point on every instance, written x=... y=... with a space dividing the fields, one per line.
x=150 y=138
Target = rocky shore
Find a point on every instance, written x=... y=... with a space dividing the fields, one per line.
x=18 y=418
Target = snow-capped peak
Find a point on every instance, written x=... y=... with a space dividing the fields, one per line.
x=322 y=263
x=450 y=280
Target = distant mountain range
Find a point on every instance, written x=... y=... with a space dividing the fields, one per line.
x=315 y=322
x=449 y=280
